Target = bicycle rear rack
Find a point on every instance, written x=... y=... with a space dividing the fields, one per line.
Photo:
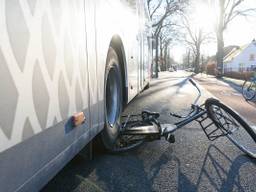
x=210 y=129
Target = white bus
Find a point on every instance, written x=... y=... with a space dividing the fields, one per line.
x=59 y=58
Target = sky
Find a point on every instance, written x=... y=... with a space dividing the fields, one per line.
x=240 y=31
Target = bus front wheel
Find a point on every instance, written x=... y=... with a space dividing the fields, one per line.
x=113 y=100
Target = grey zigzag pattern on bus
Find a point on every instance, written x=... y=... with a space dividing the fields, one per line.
x=43 y=51
x=18 y=31
x=40 y=95
x=48 y=45
x=8 y=98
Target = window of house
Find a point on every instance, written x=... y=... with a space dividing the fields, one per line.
x=252 y=57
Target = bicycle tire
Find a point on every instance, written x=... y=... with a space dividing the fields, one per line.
x=248 y=91
x=223 y=117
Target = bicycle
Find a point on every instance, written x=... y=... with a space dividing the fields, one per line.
x=249 y=89
x=215 y=118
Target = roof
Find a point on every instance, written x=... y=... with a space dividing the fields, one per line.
x=234 y=53
x=227 y=51
x=230 y=52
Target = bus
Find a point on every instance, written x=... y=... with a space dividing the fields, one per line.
x=67 y=68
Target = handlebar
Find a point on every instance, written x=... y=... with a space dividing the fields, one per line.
x=195 y=85
x=194 y=106
x=199 y=91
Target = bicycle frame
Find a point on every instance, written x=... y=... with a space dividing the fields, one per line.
x=196 y=112
x=165 y=130
x=147 y=128
x=199 y=112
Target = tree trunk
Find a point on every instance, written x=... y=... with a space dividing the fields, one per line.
x=161 y=54
x=188 y=64
x=197 y=61
x=220 y=52
x=156 y=65
x=202 y=68
x=189 y=59
x=165 y=58
x=220 y=41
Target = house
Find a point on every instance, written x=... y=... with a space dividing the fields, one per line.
x=211 y=63
x=241 y=59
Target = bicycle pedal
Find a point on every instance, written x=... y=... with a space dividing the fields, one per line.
x=170 y=138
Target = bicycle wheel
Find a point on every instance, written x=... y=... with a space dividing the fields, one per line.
x=232 y=125
x=127 y=142
x=249 y=90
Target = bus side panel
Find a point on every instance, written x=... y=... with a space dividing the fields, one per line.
x=145 y=45
x=44 y=80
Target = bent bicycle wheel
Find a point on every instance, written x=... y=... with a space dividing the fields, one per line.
x=233 y=126
x=128 y=142
x=249 y=90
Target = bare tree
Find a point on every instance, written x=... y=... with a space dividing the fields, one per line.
x=228 y=11
x=160 y=12
x=194 y=38
x=166 y=53
x=168 y=35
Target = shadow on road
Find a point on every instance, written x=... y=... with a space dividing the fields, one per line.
x=221 y=177
x=126 y=172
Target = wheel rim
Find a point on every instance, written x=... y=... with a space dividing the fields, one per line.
x=249 y=90
x=112 y=94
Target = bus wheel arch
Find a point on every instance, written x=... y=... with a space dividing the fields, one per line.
x=115 y=70
x=117 y=44
x=113 y=100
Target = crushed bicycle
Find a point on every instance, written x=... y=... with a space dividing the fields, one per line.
x=215 y=118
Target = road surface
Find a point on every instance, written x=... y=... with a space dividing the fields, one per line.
x=191 y=164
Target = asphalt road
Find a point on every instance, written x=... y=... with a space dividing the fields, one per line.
x=191 y=164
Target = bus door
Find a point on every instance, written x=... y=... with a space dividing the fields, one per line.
x=140 y=44
x=147 y=44
x=144 y=45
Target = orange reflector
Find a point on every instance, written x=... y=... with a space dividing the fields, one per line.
x=78 y=119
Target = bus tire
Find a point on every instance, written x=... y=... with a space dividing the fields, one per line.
x=113 y=99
